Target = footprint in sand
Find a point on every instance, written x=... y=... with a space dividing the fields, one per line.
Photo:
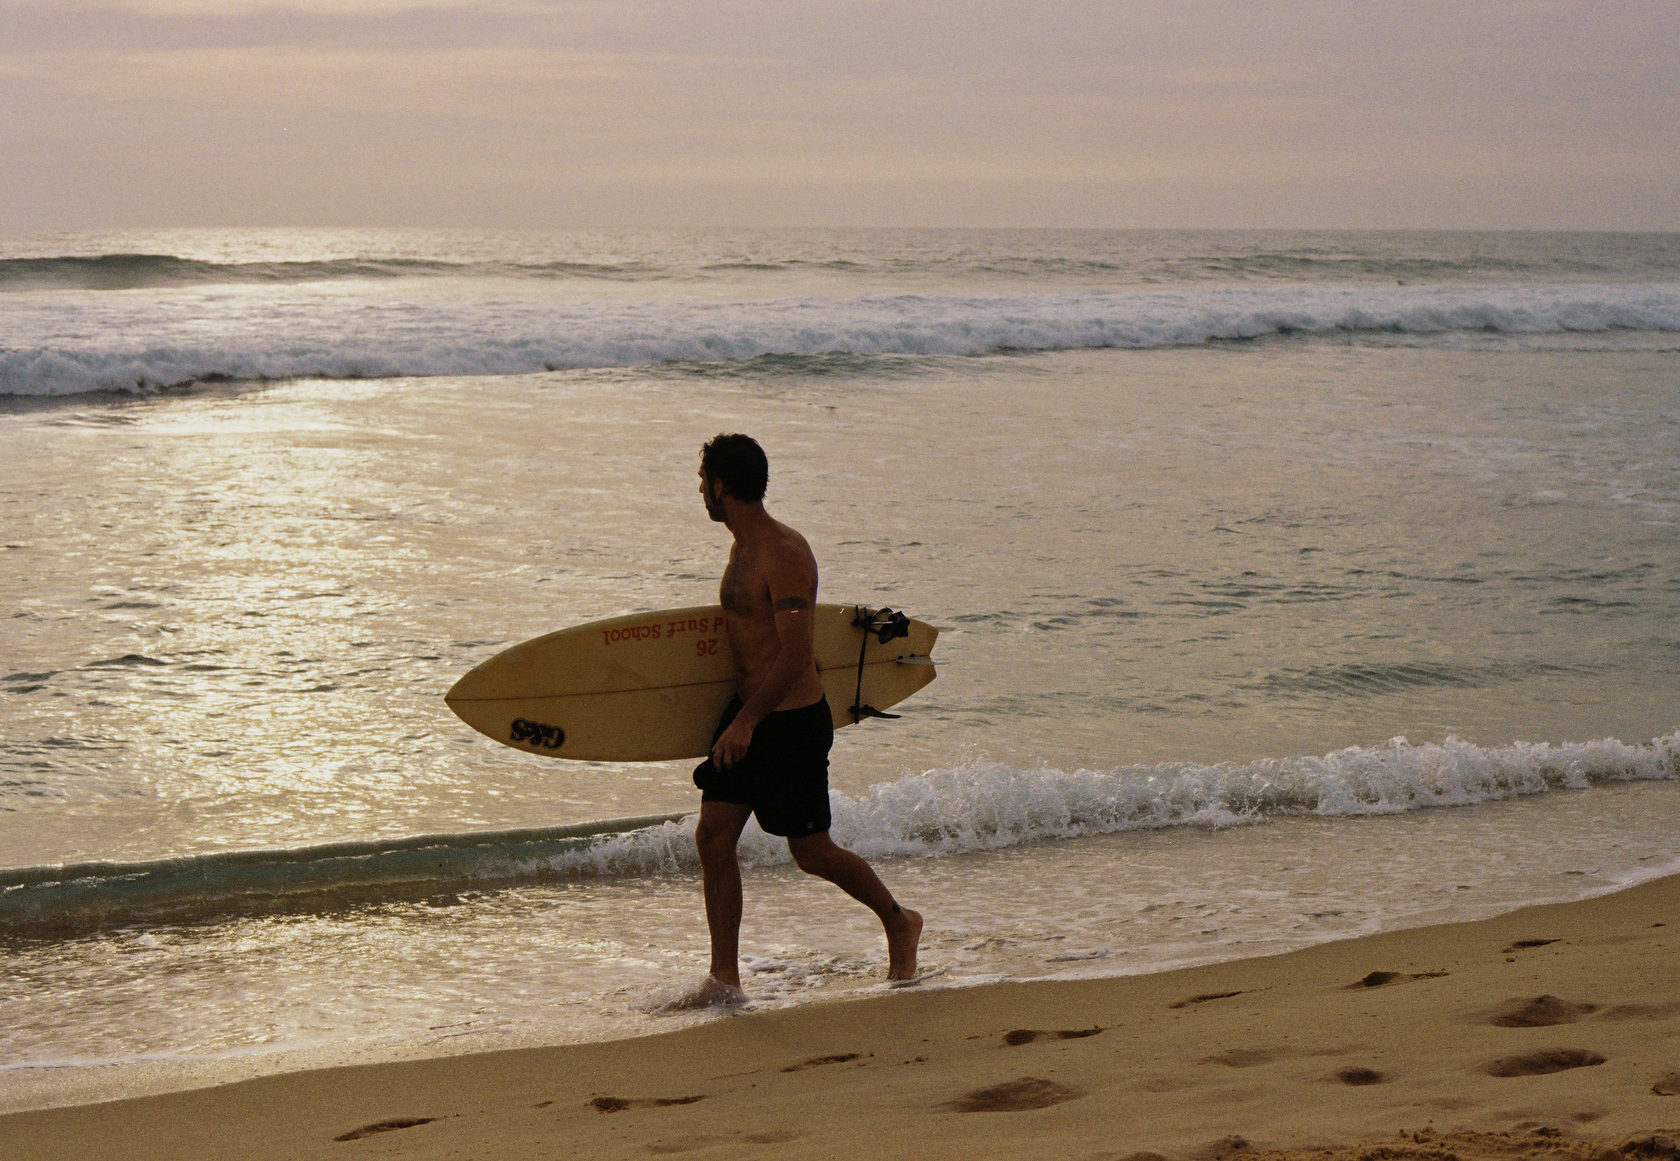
x=1668 y=1085
x=1540 y=1012
x=1244 y=1057
x=1360 y=1076
x=1204 y=998
x=1383 y=979
x=1251 y=1057
x=612 y=1104
x=731 y=1143
x=818 y=1061
x=1014 y=1096
x=1525 y=944
x=1223 y=1148
x=771 y=1137
x=384 y=1127
x=1021 y=1036
x=1541 y=1063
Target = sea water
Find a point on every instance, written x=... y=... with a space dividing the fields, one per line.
x=1291 y=587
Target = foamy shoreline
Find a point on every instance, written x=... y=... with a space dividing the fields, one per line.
x=1546 y=1031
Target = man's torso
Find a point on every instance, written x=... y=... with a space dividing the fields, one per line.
x=750 y=612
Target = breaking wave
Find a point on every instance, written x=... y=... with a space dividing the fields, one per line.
x=145 y=347
x=973 y=807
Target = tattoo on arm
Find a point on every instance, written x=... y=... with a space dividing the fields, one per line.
x=792 y=605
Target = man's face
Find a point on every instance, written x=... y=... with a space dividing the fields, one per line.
x=712 y=493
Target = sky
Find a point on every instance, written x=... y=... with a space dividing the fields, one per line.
x=1544 y=114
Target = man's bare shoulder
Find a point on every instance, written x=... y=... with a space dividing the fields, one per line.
x=793 y=542
x=791 y=547
x=786 y=562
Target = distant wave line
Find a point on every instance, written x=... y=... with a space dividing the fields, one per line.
x=376 y=341
x=142 y=271
x=132 y=271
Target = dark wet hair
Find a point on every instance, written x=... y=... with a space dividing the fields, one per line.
x=738 y=463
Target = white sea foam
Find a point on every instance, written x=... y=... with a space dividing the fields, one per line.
x=140 y=346
x=982 y=805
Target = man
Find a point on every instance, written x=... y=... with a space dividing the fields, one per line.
x=770 y=754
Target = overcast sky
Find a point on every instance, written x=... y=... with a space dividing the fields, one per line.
x=1333 y=113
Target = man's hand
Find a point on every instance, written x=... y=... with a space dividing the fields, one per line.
x=732 y=744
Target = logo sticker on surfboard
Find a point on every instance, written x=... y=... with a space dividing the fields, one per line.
x=536 y=734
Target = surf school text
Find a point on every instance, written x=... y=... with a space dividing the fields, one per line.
x=661 y=630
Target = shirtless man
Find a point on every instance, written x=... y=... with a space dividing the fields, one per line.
x=770 y=754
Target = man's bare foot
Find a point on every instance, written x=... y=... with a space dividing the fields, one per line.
x=710 y=992
x=904 y=937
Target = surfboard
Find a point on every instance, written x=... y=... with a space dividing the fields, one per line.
x=651 y=686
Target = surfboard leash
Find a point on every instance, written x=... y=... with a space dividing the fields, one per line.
x=887 y=626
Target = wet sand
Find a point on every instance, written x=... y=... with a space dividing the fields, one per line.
x=1548 y=1032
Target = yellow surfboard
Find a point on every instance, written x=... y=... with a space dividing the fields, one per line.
x=651 y=686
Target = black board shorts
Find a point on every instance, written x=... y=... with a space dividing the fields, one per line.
x=784 y=776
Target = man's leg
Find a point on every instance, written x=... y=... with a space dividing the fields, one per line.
x=819 y=855
x=715 y=836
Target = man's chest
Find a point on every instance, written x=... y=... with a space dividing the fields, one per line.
x=743 y=591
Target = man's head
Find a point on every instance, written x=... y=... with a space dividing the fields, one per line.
x=737 y=464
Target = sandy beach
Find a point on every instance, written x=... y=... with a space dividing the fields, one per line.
x=1550 y=1031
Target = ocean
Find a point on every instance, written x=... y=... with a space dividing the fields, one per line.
x=1291 y=587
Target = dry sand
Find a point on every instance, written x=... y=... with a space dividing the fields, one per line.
x=1549 y=1032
